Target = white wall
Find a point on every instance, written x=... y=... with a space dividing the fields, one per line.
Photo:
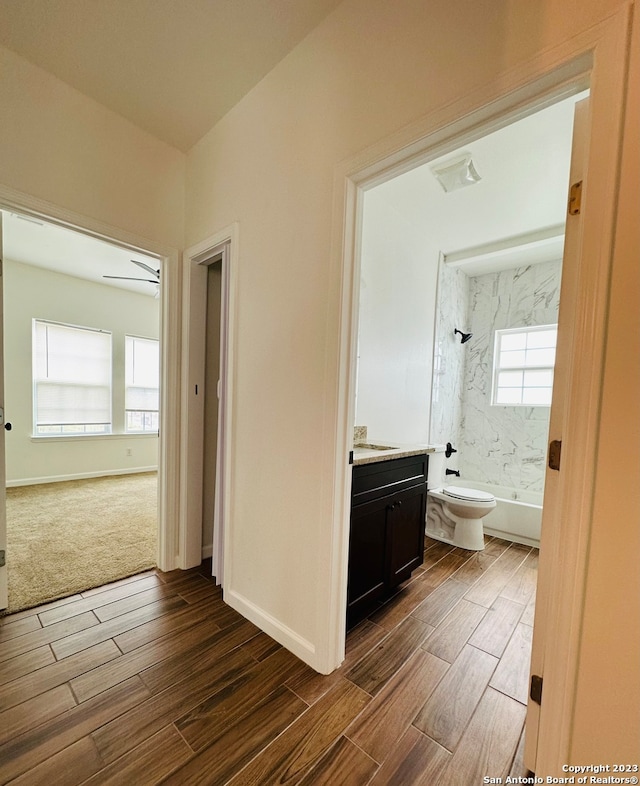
x=34 y=293
x=395 y=335
x=60 y=146
x=368 y=70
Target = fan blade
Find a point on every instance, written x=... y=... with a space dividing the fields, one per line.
x=153 y=272
x=129 y=278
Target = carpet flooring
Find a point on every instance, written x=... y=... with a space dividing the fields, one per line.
x=65 y=538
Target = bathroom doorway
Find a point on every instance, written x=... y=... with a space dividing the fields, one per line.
x=400 y=296
x=480 y=257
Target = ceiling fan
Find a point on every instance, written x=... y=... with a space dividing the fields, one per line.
x=150 y=270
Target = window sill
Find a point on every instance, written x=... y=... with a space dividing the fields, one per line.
x=91 y=437
x=520 y=406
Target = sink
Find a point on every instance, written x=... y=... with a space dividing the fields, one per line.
x=370 y=446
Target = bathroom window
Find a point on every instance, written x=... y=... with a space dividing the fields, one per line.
x=523 y=366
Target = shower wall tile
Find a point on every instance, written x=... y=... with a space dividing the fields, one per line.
x=449 y=357
x=503 y=446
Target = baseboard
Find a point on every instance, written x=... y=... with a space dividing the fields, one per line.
x=79 y=476
x=207 y=551
x=284 y=635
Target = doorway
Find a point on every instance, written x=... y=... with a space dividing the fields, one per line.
x=207 y=385
x=437 y=260
x=482 y=256
x=211 y=404
x=427 y=141
x=75 y=441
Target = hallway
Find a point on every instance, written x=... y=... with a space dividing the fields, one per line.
x=154 y=679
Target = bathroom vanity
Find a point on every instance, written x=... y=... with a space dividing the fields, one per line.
x=386 y=543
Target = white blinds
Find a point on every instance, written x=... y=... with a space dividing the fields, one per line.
x=142 y=375
x=72 y=379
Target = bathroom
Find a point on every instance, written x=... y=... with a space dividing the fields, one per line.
x=475 y=259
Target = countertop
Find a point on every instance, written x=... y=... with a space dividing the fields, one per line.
x=371 y=452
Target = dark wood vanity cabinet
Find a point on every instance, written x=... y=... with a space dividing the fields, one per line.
x=386 y=542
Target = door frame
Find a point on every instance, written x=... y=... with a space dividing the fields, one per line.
x=4 y=578
x=596 y=59
x=168 y=438
x=194 y=284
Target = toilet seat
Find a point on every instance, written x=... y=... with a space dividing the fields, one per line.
x=469 y=495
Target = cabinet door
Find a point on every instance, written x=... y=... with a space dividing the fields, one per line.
x=406 y=534
x=368 y=567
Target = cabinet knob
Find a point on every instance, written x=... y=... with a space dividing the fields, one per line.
x=399 y=503
x=391 y=506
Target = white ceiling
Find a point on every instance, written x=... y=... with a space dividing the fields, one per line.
x=65 y=251
x=172 y=67
x=525 y=176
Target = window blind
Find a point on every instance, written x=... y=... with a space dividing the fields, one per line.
x=142 y=381
x=72 y=379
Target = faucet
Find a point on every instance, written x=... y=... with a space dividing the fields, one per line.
x=450 y=450
x=455 y=472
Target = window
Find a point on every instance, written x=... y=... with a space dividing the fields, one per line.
x=71 y=379
x=523 y=366
x=142 y=380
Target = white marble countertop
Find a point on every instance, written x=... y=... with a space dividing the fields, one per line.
x=369 y=453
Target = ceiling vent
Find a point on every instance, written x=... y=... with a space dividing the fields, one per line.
x=456 y=172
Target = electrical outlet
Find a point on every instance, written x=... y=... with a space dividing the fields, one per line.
x=128 y=451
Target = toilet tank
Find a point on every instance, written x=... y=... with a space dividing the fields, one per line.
x=435 y=473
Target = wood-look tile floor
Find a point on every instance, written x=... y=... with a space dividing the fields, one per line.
x=154 y=679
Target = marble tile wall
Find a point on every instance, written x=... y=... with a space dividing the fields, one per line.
x=449 y=357
x=501 y=445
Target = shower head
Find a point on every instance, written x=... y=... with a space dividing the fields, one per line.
x=464 y=337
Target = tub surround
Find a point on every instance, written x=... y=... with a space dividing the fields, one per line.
x=449 y=356
x=498 y=445
x=503 y=445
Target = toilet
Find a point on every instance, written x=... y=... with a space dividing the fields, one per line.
x=455 y=513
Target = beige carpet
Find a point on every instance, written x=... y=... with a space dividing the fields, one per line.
x=63 y=538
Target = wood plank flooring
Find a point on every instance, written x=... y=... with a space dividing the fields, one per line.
x=155 y=680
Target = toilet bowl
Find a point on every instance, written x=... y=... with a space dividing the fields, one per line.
x=455 y=513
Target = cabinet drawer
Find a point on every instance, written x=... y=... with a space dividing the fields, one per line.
x=370 y=481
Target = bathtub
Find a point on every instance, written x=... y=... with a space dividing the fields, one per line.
x=516 y=517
